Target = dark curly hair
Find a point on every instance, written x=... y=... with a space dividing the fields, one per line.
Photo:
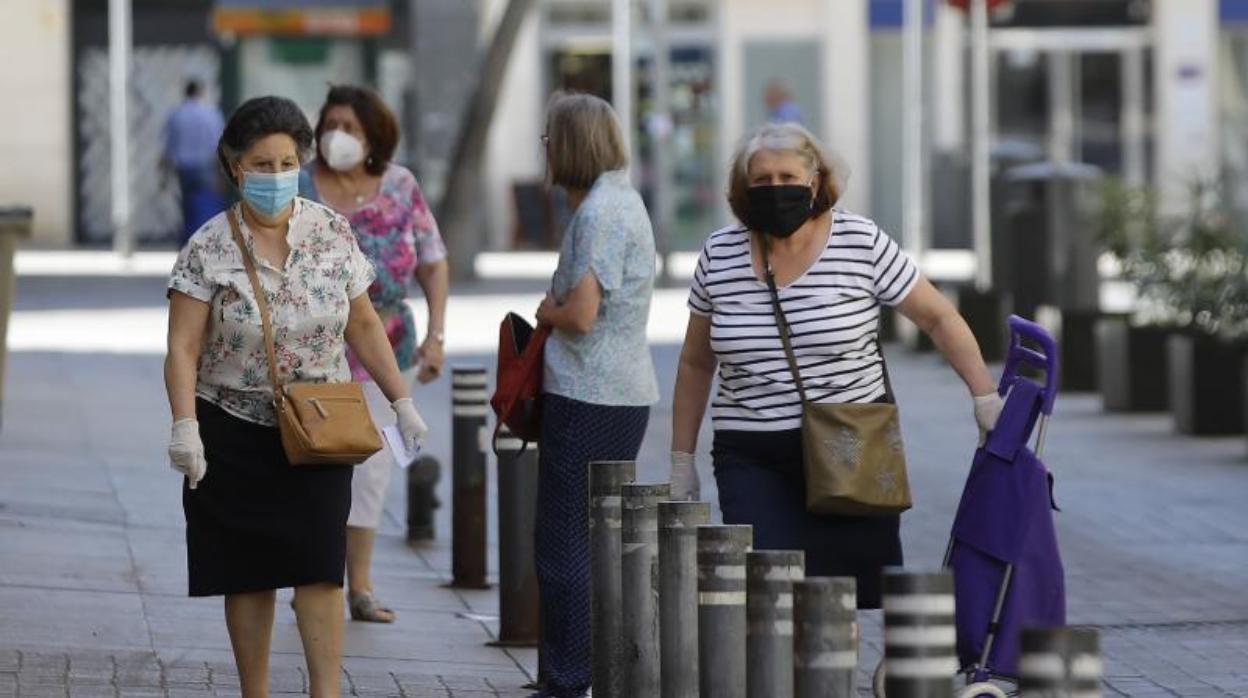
x=381 y=128
x=258 y=118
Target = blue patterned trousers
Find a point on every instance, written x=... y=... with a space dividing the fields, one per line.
x=573 y=434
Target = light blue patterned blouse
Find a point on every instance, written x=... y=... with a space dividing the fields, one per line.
x=609 y=235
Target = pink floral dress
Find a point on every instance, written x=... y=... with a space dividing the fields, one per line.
x=397 y=232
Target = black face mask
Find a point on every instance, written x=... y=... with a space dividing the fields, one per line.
x=778 y=210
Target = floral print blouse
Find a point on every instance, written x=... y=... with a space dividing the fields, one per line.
x=397 y=232
x=309 y=301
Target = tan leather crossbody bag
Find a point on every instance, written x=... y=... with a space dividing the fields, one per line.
x=852 y=453
x=320 y=423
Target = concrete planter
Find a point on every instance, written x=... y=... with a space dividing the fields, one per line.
x=1206 y=385
x=986 y=313
x=1131 y=369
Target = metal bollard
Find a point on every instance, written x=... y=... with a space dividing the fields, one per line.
x=721 y=610
x=1060 y=661
x=825 y=637
x=15 y=223
x=919 y=634
x=468 y=477
x=640 y=582
x=518 y=602
x=769 y=577
x=678 y=596
x=422 y=499
x=606 y=478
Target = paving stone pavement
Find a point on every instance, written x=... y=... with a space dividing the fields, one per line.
x=1153 y=529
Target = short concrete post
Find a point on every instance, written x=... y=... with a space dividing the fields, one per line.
x=769 y=577
x=721 y=610
x=15 y=224
x=518 y=602
x=920 y=660
x=678 y=596
x=606 y=479
x=1060 y=661
x=468 y=477
x=640 y=581
x=825 y=625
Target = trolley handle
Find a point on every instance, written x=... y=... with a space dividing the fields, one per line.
x=1046 y=359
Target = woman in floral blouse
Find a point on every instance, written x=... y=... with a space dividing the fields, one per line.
x=356 y=135
x=254 y=523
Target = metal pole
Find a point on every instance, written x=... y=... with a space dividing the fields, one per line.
x=640 y=581
x=1133 y=128
x=721 y=610
x=606 y=478
x=422 y=500
x=660 y=129
x=912 y=134
x=119 y=123
x=825 y=637
x=518 y=601
x=468 y=477
x=622 y=70
x=1061 y=145
x=981 y=211
x=1060 y=661
x=920 y=660
x=678 y=596
x=769 y=577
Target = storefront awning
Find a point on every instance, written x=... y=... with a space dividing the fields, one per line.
x=301 y=17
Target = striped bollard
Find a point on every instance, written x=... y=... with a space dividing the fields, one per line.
x=1060 y=661
x=678 y=596
x=518 y=602
x=825 y=637
x=640 y=582
x=721 y=610
x=468 y=477
x=769 y=578
x=606 y=478
x=920 y=659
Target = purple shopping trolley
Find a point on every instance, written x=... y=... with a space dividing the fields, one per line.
x=1003 y=549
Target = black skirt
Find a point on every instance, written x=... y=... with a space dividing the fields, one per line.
x=761 y=483
x=256 y=523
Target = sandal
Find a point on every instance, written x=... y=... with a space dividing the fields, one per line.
x=365 y=607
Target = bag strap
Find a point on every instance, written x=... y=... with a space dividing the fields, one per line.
x=782 y=326
x=265 y=320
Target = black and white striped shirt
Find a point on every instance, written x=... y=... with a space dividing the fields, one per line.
x=833 y=310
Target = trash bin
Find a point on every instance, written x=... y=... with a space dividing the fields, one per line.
x=1044 y=251
x=15 y=223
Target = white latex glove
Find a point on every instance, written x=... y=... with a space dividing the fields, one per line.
x=186 y=451
x=684 y=477
x=987 y=410
x=411 y=426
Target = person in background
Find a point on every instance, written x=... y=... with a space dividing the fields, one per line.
x=599 y=380
x=254 y=522
x=356 y=135
x=833 y=270
x=781 y=109
x=191 y=135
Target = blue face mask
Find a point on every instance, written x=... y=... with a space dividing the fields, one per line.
x=269 y=192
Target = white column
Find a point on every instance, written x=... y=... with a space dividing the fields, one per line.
x=660 y=128
x=1062 y=112
x=622 y=68
x=981 y=97
x=1132 y=121
x=847 y=95
x=913 y=181
x=1185 y=35
x=119 y=124
x=948 y=83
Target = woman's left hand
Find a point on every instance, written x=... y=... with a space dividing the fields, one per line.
x=546 y=310
x=432 y=358
x=411 y=425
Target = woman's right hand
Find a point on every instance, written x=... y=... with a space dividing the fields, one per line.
x=684 y=477
x=186 y=451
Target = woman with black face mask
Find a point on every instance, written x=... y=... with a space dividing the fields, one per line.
x=829 y=272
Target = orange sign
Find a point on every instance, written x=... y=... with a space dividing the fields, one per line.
x=327 y=21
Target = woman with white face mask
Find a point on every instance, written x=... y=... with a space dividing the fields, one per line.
x=356 y=135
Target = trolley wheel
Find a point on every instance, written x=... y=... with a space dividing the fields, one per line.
x=983 y=688
x=877 y=680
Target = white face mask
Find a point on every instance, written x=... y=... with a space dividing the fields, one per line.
x=342 y=150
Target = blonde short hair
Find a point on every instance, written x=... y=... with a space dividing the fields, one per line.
x=584 y=140
x=792 y=138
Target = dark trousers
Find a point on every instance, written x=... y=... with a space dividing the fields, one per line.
x=201 y=199
x=573 y=434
